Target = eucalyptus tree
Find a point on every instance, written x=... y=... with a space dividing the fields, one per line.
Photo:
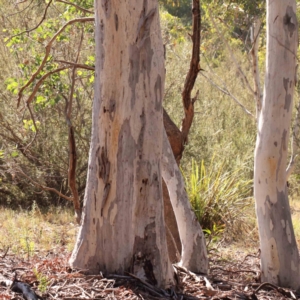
x=279 y=253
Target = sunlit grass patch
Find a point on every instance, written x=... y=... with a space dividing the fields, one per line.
x=25 y=232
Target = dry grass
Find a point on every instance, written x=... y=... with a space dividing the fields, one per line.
x=26 y=232
x=295 y=208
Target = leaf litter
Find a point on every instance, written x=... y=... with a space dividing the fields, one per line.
x=50 y=277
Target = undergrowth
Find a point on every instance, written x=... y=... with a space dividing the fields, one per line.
x=221 y=199
x=26 y=232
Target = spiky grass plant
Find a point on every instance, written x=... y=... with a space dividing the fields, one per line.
x=219 y=197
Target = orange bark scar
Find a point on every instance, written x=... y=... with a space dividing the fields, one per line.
x=272 y=166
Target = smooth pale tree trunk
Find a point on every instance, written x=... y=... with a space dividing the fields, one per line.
x=193 y=255
x=279 y=253
x=122 y=225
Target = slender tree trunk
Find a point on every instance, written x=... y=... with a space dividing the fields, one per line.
x=194 y=255
x=279 y=253
x=122 y=225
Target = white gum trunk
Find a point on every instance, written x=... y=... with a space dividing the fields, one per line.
x=279 y=253
x=122 y=225
x=194 y=255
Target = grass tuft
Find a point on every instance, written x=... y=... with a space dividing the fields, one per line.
x=220 y=198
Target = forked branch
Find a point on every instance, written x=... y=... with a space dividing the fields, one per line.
x=47 y=53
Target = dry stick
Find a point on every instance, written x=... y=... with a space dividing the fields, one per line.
x=3 y=256
x=274 y=287
x=226 y=92
x=19 y=12
x=48 y=48
x=230 y=271
x=81 y=66
x=188 y=102
x=35 y=27
x=75 y=5
x=147 y=285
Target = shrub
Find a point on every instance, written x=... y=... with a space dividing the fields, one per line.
x=220 y=198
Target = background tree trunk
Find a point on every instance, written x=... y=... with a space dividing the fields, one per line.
x=279 y=253
x=123 y=226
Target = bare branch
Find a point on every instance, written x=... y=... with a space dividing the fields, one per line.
x=191 y=77
x=35 y=27
x=41 y=80
x=48 y=48
x=77 y=6
x=19 y=12
x=45 y=188
x=226 y=92
x=80 y=66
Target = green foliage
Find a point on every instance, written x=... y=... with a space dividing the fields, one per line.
x=43 y=281
x=178 y=8
x=220 y=198
x=41 y=150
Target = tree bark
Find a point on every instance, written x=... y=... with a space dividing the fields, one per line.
x=279 y=253
x=194 y=255
x=122 y=224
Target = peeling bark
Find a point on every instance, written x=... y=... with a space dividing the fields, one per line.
x=122 y=224
x=194 y=255
x=279 y=253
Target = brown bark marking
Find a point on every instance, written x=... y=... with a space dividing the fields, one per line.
x=106 y=4
x=158 y=93
x=272 y=166
x=144 y=261
x=288 y=97
x=274 y=213
x=100 y=45
x=110 y=109
x=104 y=171
x=283 y=147
x=125 y=161
x=141 y=53
x=134 y=74
x=290 y=21
x=116 y=22
x=141 y=135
